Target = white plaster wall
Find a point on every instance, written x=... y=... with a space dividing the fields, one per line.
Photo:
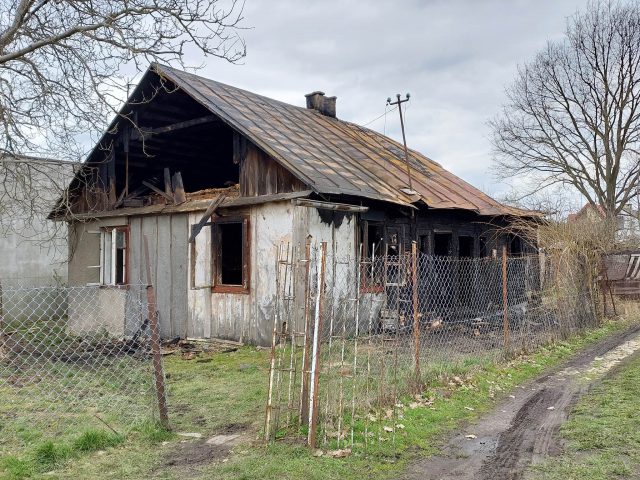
x=95 y=309
x=238 y=316
x=33 y=250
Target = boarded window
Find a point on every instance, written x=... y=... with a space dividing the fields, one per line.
x=231 y=255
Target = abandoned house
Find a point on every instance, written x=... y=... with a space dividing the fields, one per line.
x=217 y=178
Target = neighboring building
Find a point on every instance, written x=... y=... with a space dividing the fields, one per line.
x=33 y=251
x=287 y=172
x=627 y=222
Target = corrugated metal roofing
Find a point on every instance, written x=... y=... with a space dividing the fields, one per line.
x=333 y=156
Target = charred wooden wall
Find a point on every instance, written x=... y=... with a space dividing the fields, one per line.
x=262 y=175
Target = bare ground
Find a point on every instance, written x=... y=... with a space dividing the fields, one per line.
x=523 y=428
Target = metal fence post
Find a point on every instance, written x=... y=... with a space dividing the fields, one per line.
x=505 y=300
x=315 y=357
x=416 y=314
x=155 y=342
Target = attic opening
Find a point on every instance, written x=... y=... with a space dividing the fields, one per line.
x=165 y=132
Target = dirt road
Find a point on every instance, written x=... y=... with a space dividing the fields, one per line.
x=522 y=429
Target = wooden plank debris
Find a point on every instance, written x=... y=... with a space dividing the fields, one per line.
x=179 y=194
x=213 y=206
x=157 y=190
x=167 y=182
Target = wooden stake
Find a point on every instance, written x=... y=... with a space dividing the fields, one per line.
x=155 y=342
x=505 y=300
x=304 y=394
x=317 y=334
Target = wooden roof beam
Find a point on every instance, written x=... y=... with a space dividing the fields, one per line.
x=146 y=131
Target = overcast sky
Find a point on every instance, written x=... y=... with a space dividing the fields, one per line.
x=454 y=57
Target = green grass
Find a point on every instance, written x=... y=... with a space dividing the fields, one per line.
x=92 y=440
x=603 y=432
x=209 y=394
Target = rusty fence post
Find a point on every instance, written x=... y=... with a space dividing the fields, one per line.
x=505 y=300
x=416 y=314
x=304 y=394
x=315 y=355
x=155 y=341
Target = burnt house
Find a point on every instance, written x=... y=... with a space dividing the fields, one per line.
x=217 y=178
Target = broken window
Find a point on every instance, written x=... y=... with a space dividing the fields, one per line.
x=372 y=238
x=423 y=244
x=483 y=247
x=113 y=264
x=231 y=255
x=465 y=246
x=442 y=244
x=515 y=245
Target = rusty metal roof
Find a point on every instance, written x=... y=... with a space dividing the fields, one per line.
x=333 y=156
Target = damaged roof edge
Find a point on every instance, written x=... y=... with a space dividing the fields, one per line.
x=189 y=206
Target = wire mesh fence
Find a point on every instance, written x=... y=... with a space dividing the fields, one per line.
x=354 y=338
x=73 y=357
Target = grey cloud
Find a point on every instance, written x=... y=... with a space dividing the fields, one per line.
x=455 y=57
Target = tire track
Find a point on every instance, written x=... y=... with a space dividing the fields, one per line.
x=523 y=429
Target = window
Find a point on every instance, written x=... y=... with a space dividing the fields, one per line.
x=372 y=265
x=423 y=244
x=483 y=247
x=230 y=243
x=465 y=246
x=113 y=261
x=515 y=245
x=442 y=244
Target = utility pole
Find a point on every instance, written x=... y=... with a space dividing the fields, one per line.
x=399 y=103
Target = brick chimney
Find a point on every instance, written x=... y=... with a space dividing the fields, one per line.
x=325 y=105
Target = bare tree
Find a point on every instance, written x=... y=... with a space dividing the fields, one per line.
x=572 y=116
x=555 y=203
x=62 y=62
x=65 y=66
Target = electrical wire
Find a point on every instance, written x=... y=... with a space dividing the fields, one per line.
x=386 y=110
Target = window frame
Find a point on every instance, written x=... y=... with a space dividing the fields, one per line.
x=216 y=252
x=113 y=232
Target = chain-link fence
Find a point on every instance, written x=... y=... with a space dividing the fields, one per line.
x=74 y=357
x=352 y=338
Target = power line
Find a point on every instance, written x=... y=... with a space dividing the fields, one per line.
x=379 y=117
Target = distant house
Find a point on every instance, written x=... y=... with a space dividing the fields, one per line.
x=627 y=222
x=265 y=173
x=33 y=252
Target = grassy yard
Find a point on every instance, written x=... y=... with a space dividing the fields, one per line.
x=603 y=433
x=226 y=392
